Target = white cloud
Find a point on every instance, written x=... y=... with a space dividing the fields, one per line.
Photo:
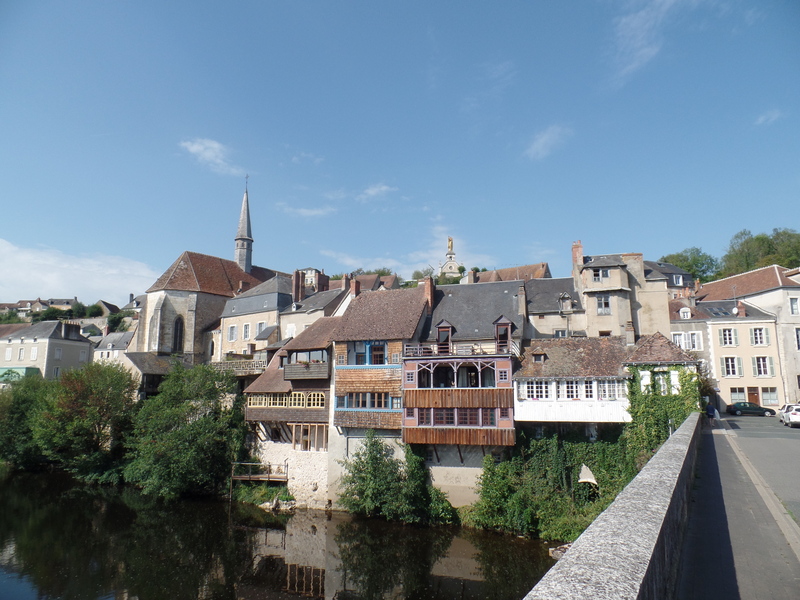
x=305 y=212
x=306 y=156
x=769 y=117
x=30 y=273
x=639 y=35
x=375 y=191
x=212 y=154
x=546 y=141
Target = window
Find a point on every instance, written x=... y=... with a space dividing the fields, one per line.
x=411 y=376
x=604 y=304
x=368 y=400
x=424 y=416
x=444 y=416
x=57 y=354
x=738 y=395
x=560 y=333
x=83 y=356
x=794 y=306
x=728 y=337
x=572 y=390
x=677 y=280
x=246 y=331
x=468 y=417
x=688 y=340
x=489 y=417
x=9 y=352
x=769 y=396
x=260 y=326
x=542 y=390
x=763 y=366
x=378 y=355
x=502 y=375
x=588 y=390
x=759 y=336
x=505 y=413
x=797 y=337
x=177 y=335
x=232 y=333
x=56 y=372
x=21 y=354
x=409 y=413
x=599 y=274
x=686 y=313
x=34 y=353
x=308 y=437
x=316 y=400
x=731 y=366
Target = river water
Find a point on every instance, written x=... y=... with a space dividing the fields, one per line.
x=64 y=541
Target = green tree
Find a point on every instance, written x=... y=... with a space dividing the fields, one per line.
x=84 y=421
x=10 y=317
x=422 y=273
x=50 y=314
x=78 y=310
x=701 y=265
x=116 y=321
x=94 y=311
x=19 y=405
x=185 y=438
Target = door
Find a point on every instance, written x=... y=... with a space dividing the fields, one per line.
x=752 y=395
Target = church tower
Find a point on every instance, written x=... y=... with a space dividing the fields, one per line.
x=244 y=238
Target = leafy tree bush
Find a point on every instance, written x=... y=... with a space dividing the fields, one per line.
x=84 y=421
x=376 y=484
x=50 y=314
x=701 y=265
x=93 y=311
x=19 y=404
x=184 y=438
x=116 y=321
x=10 y=317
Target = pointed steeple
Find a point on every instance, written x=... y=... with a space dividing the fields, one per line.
x=244 y=237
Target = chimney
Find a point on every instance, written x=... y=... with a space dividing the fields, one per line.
x=630 y=334
x=427 y=283
x=345 y=282
x=577 y=254
x=243 y=286
x=298 y=286
x=741 y=309
x=522 y=302
x=323 y=282
x=470 y=276
x=355 y=288
x=130 y=299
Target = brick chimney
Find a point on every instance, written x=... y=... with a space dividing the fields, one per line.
x=323 y=282
x=470 y=276
x=577 y=254
x=298 y=286
x=522 y=302
x=355 y=288
x=630 y=333
x=430 y=288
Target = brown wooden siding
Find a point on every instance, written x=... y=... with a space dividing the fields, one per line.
x=286 y=415
x=369 y=380
x=464 y=436
x=459 y=398
x=368 y=419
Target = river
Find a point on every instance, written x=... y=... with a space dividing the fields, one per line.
x=59 y=540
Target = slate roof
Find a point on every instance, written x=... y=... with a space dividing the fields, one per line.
x=661 y=270
x=657 y=349
x=194 y=272
x=747 y=284
x=318 y=301
x=473 y=309
x=8 y=329
x=316 y=336
x=575 y=357
x=383 y=315
x=720 y=309
x=265 y=333
x=522 y=272
x=273 y=294
x=149 y=363
x=602 y=261
x=543 y=294
x=119 y=340
x=46 y=330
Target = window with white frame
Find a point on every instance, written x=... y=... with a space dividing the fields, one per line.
x=599 y=274
x=502 y=375
x=728 y=336
x=34 y=352
x=232 y=333
x=588 y=390
x=9 y=353
x=686 y=313
x=572 y=390
x=560 y=333
x=411 y=376
x=57 y=354
x=797 y=337
x=731 y=366
x=260 y=326
x=677 y=279
x=759 y=336
x=763 y=366
x=738 y=395
x=794 y=306
x=688 y=340
x=769 y=396
x=21 y=354
x=246 y=331
x=604 y=304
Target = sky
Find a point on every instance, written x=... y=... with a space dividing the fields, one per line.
x=367 y=133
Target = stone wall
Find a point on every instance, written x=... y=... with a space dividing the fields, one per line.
x=632 y=550
x=308 y=472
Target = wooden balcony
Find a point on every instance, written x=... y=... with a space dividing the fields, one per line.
x=483 y=348
x=459 y=398
x=307 y=371
x=464 y=436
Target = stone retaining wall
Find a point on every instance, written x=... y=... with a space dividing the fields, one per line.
x=632 y=550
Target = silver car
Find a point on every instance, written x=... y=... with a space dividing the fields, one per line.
x=786 y=408
x=792 y=417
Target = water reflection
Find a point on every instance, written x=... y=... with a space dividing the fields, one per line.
x=58 y=540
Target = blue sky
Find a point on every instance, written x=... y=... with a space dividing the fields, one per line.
x=372 y=131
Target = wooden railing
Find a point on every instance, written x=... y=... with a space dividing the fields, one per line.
x=465 y=349
x=259 y=472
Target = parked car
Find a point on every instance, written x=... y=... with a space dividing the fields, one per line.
x=786 y=408
x=748 y=408
x=792 y=417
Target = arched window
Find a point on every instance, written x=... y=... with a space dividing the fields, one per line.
x=177 y=336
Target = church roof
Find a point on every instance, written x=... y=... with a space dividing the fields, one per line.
x=194 y=272
x=523 y=272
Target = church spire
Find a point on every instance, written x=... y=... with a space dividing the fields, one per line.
x=244 y=237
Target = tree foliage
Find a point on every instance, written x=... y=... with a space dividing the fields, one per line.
x=185 y=438
x=94 y=311
x=701 y=265
x=422 y=273
x=84 y=422
x=376 y=484
x=747 y=251
x=116 y=321
x=10 y=317
x=19 y=404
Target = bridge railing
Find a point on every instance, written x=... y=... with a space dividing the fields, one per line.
x=631 y=551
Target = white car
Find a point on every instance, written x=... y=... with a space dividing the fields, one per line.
x=792 y=417
x=786 y=408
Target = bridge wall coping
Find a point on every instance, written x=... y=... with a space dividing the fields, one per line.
x=632 y=549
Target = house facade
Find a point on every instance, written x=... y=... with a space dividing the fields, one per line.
x=48 y=347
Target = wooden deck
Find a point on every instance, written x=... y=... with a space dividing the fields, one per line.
x=261 y=472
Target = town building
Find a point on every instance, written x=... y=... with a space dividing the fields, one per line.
x=48 y=348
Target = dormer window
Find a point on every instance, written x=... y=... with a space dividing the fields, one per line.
x=677 y=280
x=599 y=274
x=686 y=313
x=502 y=334
x=444 y=333
x=539 y=357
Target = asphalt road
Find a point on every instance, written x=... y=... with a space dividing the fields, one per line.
x=774 y=450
